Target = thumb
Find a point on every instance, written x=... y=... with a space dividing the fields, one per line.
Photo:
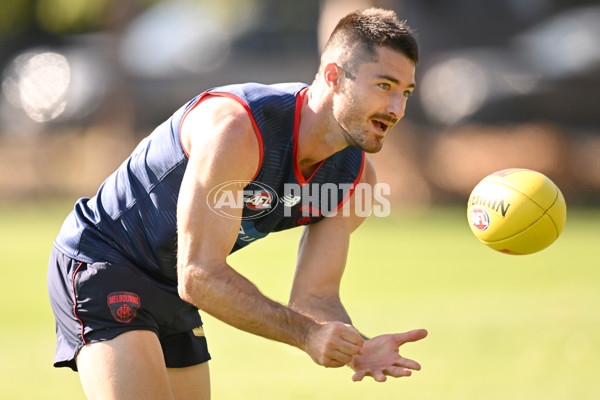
x=410 y=336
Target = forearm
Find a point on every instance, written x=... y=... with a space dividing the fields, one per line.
x=233 y=299
x=321 y=309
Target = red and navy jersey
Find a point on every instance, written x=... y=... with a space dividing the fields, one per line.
x=133 y=214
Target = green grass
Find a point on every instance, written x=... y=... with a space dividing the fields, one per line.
x=500 y=327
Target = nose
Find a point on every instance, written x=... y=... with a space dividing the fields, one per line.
x=397 y=107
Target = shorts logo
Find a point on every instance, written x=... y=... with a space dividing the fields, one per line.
x=123 y=306
x=480 y=219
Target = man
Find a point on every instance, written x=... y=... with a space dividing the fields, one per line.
x=132 y=265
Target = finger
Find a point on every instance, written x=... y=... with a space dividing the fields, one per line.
x=332 y=364
x=351 y=342
x=351 y=335
x=397 y=372
x=410 y=336
x=338 y=356
x=407 y=363
x=379 y=376
x=331 y=359
x=358 y=376
x=347 y=349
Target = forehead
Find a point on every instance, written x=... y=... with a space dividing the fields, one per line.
x=388 y=62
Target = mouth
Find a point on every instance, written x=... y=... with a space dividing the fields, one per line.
x=381 y=126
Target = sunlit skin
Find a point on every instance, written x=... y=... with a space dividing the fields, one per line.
x=347 y=108
x=355 y=100
x=373 y=100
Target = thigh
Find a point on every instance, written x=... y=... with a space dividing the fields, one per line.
x=190 y=382
x=130 y=366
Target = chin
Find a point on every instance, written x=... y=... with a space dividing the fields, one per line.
x=373 y=149
x=373 y=146
x=368 y=145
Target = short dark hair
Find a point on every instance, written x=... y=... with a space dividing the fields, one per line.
x=359 y=33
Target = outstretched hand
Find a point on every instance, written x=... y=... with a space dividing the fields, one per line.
x=379 y=357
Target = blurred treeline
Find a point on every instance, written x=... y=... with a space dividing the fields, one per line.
x=501 y=83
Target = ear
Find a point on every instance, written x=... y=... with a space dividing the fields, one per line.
x=332 y=75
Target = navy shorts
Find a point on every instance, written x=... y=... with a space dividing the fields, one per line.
x=99 y=301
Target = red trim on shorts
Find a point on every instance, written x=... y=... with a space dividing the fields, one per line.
x=299 y=176
x=248 y=110
x=356 y=181
x=75 y=303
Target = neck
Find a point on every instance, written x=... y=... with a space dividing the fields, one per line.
x=318 y=135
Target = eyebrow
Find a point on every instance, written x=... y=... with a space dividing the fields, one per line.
x=394 y=80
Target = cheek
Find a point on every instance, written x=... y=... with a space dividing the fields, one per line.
x=347 y=116
x=352 y=107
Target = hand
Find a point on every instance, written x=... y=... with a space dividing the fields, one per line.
x=333 y=344
x=379 y=357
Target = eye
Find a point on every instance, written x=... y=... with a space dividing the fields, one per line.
x=407 y=93
x=384 y=86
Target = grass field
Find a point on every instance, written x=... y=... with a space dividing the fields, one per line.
x=500 y=327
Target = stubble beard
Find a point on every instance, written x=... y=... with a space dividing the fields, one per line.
x=353 y=128
x=359 y=140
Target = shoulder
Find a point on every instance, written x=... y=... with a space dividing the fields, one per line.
x=216 y=118
x=218 y=133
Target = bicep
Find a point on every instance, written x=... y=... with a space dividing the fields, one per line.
x=222 y=147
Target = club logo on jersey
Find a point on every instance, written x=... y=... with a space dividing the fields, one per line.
x=231 y=199
x=123 y=306
x=480 y=218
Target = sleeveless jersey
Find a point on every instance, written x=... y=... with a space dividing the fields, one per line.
x=133 y=214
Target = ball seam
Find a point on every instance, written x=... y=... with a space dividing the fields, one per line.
x=544 y=212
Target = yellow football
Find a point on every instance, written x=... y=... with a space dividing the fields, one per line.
x=517 y=211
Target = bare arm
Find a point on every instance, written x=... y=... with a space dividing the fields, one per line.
x=322 y=258
x=222 y=145
x=321 y=261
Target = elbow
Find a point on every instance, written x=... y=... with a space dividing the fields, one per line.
x=185 y=284
x=195 y=284
x=200 y=283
